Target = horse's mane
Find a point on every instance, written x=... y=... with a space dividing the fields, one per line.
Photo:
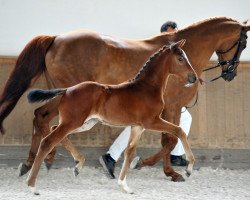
x=208 y=21
x=149 y=61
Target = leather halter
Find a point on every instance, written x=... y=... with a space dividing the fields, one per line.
x=229 y=73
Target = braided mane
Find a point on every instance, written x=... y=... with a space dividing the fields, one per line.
x=151 y=58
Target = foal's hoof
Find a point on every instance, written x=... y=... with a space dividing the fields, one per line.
x=178 y=179
x=136 y=163
x=23 y=169
x=188 y=172
x=124 y=186
x=34 y=191
x=76 y=171
x=47 y=165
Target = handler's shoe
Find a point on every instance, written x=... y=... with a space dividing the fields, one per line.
x=108 y=164
x=178 y=161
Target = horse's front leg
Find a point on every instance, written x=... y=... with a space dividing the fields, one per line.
x=168 y=142
x=135 y=135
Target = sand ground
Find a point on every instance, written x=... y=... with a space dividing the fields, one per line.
x=148 y=183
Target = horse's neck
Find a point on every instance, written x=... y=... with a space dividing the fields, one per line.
x=199 y=49
x=202 y=42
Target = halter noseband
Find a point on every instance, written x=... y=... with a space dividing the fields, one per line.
x=232 y=64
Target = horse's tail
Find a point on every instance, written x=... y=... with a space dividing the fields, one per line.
x=38 y=95
x=29 y=66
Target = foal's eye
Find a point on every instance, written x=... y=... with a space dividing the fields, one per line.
x=180 y=58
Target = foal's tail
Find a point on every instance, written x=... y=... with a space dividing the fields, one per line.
x=38 y=95
x=29 y=66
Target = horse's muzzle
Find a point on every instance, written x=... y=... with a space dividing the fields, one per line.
x=229 y=75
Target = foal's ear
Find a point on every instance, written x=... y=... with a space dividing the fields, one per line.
x=177 y=45
x=245 y=22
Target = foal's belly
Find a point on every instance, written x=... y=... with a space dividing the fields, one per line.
x=92 y=120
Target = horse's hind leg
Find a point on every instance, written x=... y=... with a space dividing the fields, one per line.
x=135 y=135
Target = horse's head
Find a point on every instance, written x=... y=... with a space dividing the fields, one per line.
x=181 y=66
x=230 y=49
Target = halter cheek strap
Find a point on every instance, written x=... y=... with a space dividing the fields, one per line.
x=234 y=62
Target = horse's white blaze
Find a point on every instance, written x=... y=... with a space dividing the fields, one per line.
x=123 y=184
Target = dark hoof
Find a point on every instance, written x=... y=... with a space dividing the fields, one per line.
x=76 y=171
x=136 y=163
x=23 y=169
x=188 y=173
x=47 y=165
x=178 y=179
x=76 y=162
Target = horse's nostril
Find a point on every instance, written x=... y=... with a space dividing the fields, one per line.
x=191 y=78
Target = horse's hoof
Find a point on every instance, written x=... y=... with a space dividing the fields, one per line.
x=136 y=163
x=47 y=165
x=76 y=171
x=34 y=191
x=23 y=169
x=178 y=179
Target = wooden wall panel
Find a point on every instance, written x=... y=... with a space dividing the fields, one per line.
x=220 y=118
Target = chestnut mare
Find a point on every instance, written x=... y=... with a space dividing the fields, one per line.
x=88 y=56
x=138 y=102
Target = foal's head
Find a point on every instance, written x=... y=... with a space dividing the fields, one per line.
x=179 y=64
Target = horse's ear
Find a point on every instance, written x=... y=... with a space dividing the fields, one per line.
x=247 y=27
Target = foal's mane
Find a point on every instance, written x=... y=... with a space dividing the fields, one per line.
x=149 y=61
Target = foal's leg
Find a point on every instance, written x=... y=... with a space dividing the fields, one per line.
x=47 y=144
x=168 y=142
x=135 y=135
x=79 y=159
x=161 y=125
x=164 y=154
x=43 y=115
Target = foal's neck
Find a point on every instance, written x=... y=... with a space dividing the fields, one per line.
x=155 y=71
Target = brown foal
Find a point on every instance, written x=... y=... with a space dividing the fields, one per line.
x=83 y=55
x=138 y=102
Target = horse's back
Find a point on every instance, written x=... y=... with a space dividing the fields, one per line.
x=89 y=56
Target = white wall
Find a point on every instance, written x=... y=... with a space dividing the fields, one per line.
x=21 y=20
